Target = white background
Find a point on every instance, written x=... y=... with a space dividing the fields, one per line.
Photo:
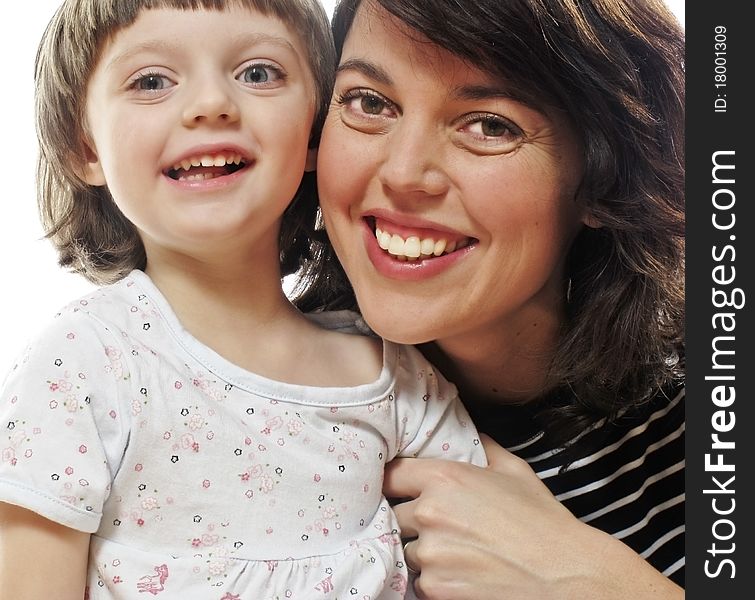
x=33 y=287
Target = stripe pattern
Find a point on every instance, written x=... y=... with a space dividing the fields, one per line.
x=627 y=479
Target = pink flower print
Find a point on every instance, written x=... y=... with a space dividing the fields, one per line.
x=71 y=403
x=140 y=522
x=82 y=449
x=272 y=424
x=196 y=422
x=178 y=385
x=209 y=539
x=326 y=585
x=150 y=503
x=69 y=470
x=295 y=427
x=266 y=484
x=136 y=407
x=9 y=455
x=445 y=446
x=244 y=476
x=206 y=483
x=255 y=471
x=229 y=596
x=398 y=583
x=153 y=584
x=138 y=467
x=317 y=477
x=117 y=579
x=196 y=542
x=187 y=440
x=116 y=366
x=217 y=567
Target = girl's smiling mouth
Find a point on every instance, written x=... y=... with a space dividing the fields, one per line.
x=206 y=166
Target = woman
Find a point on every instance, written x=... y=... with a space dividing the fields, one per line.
x=503 y=184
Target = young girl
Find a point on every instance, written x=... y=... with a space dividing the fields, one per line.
x=184 y=427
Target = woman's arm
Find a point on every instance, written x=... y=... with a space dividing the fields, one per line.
x=498 y=533
x=40 y=558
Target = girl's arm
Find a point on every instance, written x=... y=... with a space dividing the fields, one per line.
x=40 y=558
x=498 y=532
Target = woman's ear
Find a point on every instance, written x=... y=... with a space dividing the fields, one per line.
x=311 y=164
x=590 y=220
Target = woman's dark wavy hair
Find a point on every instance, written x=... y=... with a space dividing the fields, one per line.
x=91 y=234
x=616 y=67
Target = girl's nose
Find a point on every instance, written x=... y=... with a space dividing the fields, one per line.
x=212 y=103
x=413 y=161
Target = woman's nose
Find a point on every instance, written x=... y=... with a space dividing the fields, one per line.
x=413 y=160
x=210 y=103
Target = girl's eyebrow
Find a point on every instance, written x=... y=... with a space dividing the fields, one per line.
x=241 y=41
x=367 y=69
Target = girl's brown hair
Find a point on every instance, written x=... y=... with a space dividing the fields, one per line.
x=617 y=68
x=90 y=233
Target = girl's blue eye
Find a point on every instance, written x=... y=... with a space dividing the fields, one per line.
x=260 y=74
x=255 y=74
x=150 y=83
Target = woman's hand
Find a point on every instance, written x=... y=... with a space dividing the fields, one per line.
x=498 y=533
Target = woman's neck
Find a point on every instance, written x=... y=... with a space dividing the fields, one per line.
x=504 y=366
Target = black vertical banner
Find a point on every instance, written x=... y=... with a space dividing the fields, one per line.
x=720 y=299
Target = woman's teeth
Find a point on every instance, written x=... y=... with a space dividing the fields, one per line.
x=413 y=248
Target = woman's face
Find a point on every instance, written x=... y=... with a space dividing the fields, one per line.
x=450 y=204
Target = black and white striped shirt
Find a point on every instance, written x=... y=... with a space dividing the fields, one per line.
x=627 y=478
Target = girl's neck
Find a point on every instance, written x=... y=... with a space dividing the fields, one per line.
x=230 y=306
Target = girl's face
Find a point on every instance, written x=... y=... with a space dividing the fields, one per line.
x=450 y=204
x=198 y=123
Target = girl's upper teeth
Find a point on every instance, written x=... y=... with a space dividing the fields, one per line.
x=206 y=160
x=414 y=247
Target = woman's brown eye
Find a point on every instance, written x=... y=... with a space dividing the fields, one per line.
x=494 y=127
x=372 y=105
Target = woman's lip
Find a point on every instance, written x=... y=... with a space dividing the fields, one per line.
x=410 y=270
x=408 y=225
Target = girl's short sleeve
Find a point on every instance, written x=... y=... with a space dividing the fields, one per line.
x=62 y=428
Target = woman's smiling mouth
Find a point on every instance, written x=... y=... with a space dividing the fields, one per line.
x=415 y=245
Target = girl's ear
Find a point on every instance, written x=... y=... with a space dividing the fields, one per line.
x=311 y=164
x=91 y=171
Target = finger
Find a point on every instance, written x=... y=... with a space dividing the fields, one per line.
x=410 y=557
x=405 y=516
x=406 y=477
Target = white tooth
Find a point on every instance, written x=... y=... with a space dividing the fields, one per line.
x=220 y=161
x=196 y=162
x=440 y=246
x=378 y=232
x=427 y=246
x=396 y=246
x=207 y=161
x=412 y=247
x=237 y=159
x=450 y=247
x=385 y=240
x=186 y=164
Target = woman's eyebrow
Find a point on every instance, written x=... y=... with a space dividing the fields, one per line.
x=484 y=92
x=367 y=68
